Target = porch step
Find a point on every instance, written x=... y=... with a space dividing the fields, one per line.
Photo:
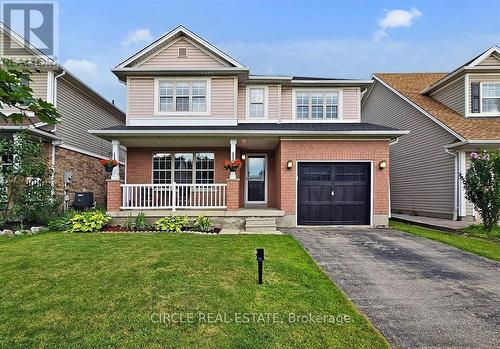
x=258 y=224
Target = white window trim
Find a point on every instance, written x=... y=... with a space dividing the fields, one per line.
x=180 y=113
x=266 y=102
x=481 y=113
x=172 y=169
x=324 y=119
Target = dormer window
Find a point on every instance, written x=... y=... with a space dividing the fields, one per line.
x=182 y=96
x=490 y=97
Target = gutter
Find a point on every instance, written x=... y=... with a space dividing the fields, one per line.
x=473 y=142
x=30 y=129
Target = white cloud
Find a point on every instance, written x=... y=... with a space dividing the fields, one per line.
x=81 y=67
x=395 y=19
x=137 y=36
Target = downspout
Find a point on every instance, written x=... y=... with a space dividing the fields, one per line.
x=391 y=143
x=455 y=185
x=54 y=143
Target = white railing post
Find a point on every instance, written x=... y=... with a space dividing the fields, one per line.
x=174 y=194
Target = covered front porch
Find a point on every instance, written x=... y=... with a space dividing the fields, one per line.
x=187 y=174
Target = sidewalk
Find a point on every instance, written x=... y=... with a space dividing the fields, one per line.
x=436 y=223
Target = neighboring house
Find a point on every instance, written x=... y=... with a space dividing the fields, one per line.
x=307 y=157
x=72 y=152
x=449 y=115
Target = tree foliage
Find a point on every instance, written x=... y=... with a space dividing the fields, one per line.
x=26 y=190
x=16 y=95
x=482 y=186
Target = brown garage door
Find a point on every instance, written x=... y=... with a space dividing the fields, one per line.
x=333 y=193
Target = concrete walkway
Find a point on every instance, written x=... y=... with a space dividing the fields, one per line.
x=435 y=223
x=419 y=293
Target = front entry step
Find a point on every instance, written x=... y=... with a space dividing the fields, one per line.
x=260 y=224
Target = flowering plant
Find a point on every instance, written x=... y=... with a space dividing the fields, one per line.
x=108 y=163
x=232 y=165
x=482 y=186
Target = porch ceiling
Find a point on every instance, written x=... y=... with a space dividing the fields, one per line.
x=200 y=142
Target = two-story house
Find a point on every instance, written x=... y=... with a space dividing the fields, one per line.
x=307 y=157
x=72 y=152
x=449 y=115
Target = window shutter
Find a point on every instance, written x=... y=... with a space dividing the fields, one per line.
x=475 y=97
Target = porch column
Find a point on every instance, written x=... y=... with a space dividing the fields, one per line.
x=114 y=195
x=115 y=175
x=232 y=142
x=233 y=194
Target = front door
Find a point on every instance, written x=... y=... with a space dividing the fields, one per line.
x=256 y=179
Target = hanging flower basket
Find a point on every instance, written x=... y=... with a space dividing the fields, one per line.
x=109 y=164
x=232 y=166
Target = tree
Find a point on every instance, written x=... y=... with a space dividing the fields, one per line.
x=16 y=94
x=26 y=191
x=482 y=186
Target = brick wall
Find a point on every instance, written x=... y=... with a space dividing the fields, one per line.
x=333 y=150
x=88 y=175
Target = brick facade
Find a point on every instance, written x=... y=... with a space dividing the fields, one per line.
x=332 y=150
x=88 y=175
x=233 y=194
x=114 y=195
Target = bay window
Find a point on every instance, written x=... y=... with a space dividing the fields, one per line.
x=182 y=96
x=183 y=168
x=317 y=104
x=490 y=97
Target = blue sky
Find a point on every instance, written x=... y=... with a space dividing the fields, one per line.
x=347 y=39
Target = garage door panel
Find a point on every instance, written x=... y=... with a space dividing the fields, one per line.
x=350 y=202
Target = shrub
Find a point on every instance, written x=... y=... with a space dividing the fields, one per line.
x=89 y=221
x=141 y=222
x=62 y=222
x=482 y=186
x=172 y=224
x=129 y=222
x=203 y=224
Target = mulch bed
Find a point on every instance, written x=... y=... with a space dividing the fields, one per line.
x=120 y=229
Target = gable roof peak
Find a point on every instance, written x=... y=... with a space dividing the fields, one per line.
x=172 y=35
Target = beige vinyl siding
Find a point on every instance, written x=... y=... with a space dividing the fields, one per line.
x=453 y=95
x=480 y=78
x=80 y=113
x=141 y=97
x=350 y=104
x=272 y=109
x=286 y=103
x=491 y=60
x=242 y=96
x=222 y=97
x=168 y=57
x=38 y=84
x=422 y=173
x=17 y=48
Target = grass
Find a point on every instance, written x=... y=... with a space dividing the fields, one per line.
x=101 y=290
x=485 y=248
x=478 y=231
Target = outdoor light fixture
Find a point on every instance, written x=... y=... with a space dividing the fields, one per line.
x=260 y=261
x=382 y=164
x=243 y=156
x=289 y=164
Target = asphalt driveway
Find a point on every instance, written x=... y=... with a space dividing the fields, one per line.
x=419 y=293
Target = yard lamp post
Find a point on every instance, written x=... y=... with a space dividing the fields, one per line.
x=260 y=261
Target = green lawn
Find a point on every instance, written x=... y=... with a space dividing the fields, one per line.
x=101 y=290
x=485 y=248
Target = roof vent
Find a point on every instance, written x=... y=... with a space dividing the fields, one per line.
x=182 y=52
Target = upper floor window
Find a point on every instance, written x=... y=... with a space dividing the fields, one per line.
x=182 y=96
x=317 y=104
x=257 y=102
x=490 y=97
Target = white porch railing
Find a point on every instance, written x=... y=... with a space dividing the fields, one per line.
x=173 y=196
